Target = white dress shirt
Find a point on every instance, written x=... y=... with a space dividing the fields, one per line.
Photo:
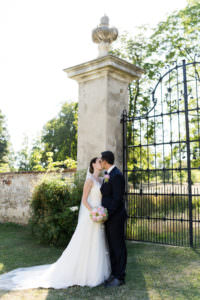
x=110 y=169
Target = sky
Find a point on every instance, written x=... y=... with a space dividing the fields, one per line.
x=40 y=38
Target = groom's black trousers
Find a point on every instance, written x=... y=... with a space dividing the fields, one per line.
x=115 y=232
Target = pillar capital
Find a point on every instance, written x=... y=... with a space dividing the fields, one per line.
x=109 y=64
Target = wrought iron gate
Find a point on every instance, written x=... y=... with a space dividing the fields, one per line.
x=161 y=162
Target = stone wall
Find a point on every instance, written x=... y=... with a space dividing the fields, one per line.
x=15 y=194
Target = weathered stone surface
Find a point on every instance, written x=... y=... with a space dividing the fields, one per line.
x=104 y=36
x=15 y=194
x=103 y=95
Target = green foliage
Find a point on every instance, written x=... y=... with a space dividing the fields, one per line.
x=56 y=147
x=4 y=145
x=55 y=203
x=32 y=160
x=161 y=206
x=193 y=2
x=35 y=157
x=178 y=36
x=23 y=156
x=68 y=163
x=152 y=48
x=59 y=135
x=175 y=38
x=52 y=221
x=76 y=188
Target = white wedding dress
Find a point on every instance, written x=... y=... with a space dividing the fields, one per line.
x=84 y=262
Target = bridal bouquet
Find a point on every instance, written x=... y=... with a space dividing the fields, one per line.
x=99 y=214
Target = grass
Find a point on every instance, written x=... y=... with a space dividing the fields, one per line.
x=153 y=271
x=163 y=218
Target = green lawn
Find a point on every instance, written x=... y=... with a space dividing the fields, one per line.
x=153 y=271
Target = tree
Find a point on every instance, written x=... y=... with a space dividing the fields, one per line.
x=59 y=135
x=35 y=158
x=4 y=145
x=173 y=39
x=56 y=147
x=193 y=2
x=23 y=156
x=177 y=37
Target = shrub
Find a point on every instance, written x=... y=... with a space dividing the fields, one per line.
x=54 y=218
x=76 y=188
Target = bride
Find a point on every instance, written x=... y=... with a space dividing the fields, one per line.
x=84 y=262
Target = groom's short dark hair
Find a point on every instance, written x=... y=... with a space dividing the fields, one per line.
x=108 y=156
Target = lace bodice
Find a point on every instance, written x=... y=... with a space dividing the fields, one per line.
x=95 y=196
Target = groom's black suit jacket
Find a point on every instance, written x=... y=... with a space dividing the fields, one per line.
x=112 y=194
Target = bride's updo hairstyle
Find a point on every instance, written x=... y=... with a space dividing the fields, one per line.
x=91 y=169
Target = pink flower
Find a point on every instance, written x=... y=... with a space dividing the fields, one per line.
x=99 y=214
x=106 y=178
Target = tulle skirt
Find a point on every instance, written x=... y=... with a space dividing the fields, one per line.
x=85 y=262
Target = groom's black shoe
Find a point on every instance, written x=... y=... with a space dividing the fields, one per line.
x=110 y=278
x=115 y=282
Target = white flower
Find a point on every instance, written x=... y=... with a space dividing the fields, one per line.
x=73 y=208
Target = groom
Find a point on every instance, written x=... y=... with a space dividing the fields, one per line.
x=112 y=190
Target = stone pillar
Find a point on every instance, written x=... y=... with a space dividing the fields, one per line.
x=103 y=94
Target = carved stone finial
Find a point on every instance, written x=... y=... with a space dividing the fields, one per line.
x=104 y=36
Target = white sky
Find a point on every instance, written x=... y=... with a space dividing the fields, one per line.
x=40 y=38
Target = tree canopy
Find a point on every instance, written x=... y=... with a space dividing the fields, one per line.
x=175 y=38
x=56 y=147
x=4 y=144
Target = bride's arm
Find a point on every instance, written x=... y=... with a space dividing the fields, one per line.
x=86 y=190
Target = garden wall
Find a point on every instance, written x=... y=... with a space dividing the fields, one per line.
x=15 y=194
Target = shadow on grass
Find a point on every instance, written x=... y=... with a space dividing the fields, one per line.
x=196 y=251
x=19 y=249
x=135 y=287
x=172 y=272
x=153 y=271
